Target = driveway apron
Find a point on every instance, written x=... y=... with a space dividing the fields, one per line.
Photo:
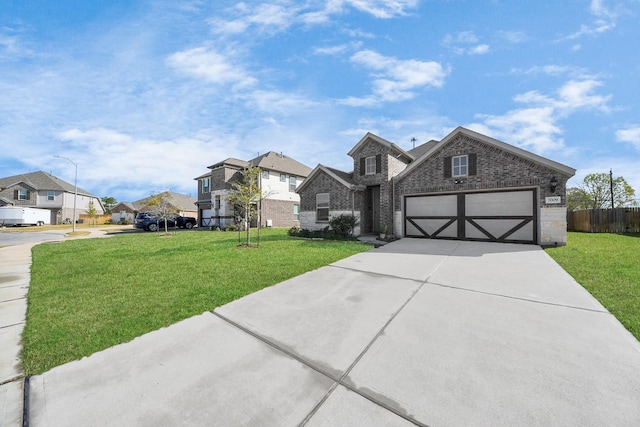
x=418 y=332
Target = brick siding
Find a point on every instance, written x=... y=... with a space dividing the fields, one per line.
x=496 y=169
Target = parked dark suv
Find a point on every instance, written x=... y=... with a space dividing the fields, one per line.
x=152 y=222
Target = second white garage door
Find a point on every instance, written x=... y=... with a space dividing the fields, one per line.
x=496 y=216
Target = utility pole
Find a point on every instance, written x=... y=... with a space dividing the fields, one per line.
x=611 y=186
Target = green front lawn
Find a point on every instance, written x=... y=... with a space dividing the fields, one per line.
x=88 y=295
x=608 y=266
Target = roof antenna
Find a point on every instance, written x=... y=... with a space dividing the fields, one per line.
x=413 y=139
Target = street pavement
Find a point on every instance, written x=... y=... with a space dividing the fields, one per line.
x=417 y=332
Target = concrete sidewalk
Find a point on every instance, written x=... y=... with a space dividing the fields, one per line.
x=15 y=267
x=417 y=332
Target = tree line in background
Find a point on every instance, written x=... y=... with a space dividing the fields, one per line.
x=597 y=191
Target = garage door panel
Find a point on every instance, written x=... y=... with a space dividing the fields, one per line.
x=504 y=203
x=501 y=216
x=433 y=226
x=499 y=228
x=434 y=206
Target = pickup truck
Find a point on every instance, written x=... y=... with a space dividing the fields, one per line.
x=154 y=223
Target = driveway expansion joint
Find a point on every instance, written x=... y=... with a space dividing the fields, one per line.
x=574 y=307
x=337 y=381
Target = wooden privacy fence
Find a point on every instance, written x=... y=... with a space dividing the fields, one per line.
x=99 y=219
x=618 y=220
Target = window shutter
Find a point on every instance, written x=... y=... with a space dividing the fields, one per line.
x=473 y=168
x=378 y=163
x=447 y=167
x=28 y=195
x=362 y=166
x=15 y=194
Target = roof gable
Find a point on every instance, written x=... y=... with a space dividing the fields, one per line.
x=369 y=137
x=344 y=178
x=432 y=149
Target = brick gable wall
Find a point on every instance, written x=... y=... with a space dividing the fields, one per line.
x=340 y=198
x=496 y=169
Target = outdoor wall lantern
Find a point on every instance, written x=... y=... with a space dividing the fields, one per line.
x=553 y=184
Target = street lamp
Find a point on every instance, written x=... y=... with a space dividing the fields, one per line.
x=75 y=191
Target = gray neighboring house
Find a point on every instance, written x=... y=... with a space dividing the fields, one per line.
x=281 y=176
x=467 y=186
x=181 y=204
x=123 y=212
x=44 y=191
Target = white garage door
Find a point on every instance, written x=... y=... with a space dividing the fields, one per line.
x=497 y=216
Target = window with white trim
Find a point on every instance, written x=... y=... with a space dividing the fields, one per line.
x=370 y=165
x=460 y=165
x=206 y=185
x=51 y=195
x=283 y=177
x=322 y=207
x=292 y=183
x=296 y=212
x=23 y=195
x=265 y=174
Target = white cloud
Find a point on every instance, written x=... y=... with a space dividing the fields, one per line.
x=605 y=20
x=274 y=17
x=106 y=158
x=263 y=18
x=395 y=79
x=338 y=49
x=513 y=37
x=536 y=127
x=209 y=65
x=383 y=8
x=573 y=95
x=465 y=42
x=630 y=134
x=480 y=49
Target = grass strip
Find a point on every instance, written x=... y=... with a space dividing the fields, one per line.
x=88 y=295
x=608 y=266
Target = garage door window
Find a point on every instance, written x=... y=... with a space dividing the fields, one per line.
x=460 y=165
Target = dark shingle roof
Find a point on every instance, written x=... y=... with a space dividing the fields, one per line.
x=42 y=181
x=280 y=163
x=422 y=148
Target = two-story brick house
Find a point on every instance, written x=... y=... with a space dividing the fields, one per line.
x=280 y=177
x=45 y=191
x=467 y=186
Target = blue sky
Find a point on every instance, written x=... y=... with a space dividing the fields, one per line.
x=144 y=95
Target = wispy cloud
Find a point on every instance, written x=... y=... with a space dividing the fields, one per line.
x=604 y=20
x=630 y=135
x=537 y=126
x=338 y=49
x=465 y=42
x=211 y=66
x=382 y=9
x=395 y=79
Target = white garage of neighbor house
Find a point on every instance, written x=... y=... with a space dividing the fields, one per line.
x=467 y=186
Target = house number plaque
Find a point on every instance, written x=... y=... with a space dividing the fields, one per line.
x=553 y=200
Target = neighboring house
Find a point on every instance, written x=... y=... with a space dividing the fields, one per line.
x=467 y=187
x=280 y=177
x=45 y=191
x=181 y=204
x=123 y=212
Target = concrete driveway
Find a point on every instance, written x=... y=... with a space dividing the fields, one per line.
x=418 y=332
